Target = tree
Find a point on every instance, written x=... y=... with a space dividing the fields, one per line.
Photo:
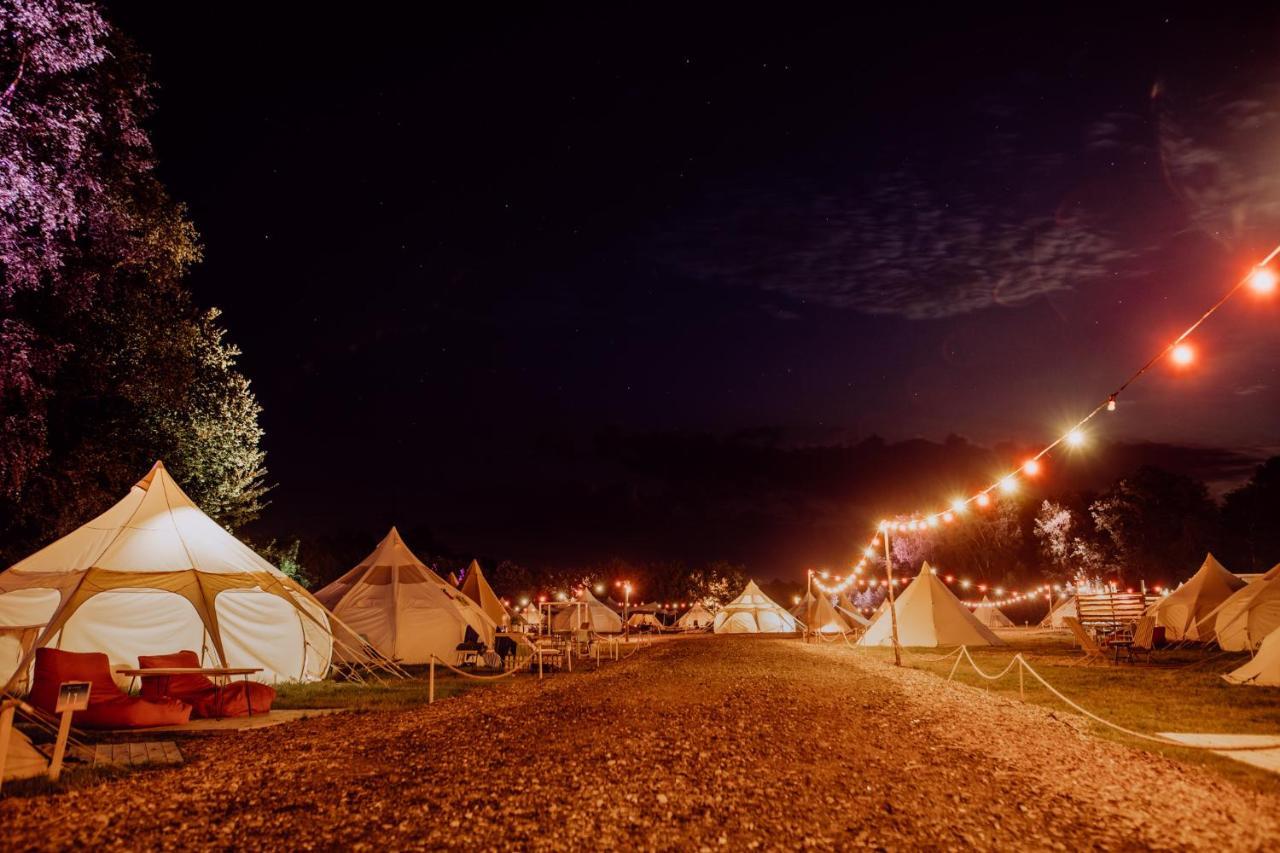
x=106 y=364
x=1158 y=524
x=1249 y=515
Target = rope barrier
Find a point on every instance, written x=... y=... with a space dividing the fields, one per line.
x=1024 y=666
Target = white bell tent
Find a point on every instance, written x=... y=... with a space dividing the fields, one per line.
x=849 y=611
x=990 y=615
x=155 y=575
x=819 y=617
x=597 y=615
x=1264 y=669
x=753 y=612
x=1181 y=612
x=695 y=617
x=1065 y=608
x=929 y=615
x=476 y=587
x=402 y=609
x=1247 y=616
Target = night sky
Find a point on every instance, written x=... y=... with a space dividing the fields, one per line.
x=627 y=282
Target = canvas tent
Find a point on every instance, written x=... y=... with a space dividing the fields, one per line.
x=645 y=620
x=1065 y=608
x=1181 y=611
x=753 y=612
x=930 y=615
x=990 y=615
x=531 y=615
x=21 y=760
x=849 y=611
x=820 y=617
x=695 y=617
x=599 y=617
x=1247 y=616
x=153 y=575
x=401 y=608
x=476 y=587
x=1264 y=669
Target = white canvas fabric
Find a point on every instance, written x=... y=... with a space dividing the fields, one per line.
x=821 y=618
x=1062 y=609
x=849 y=611
x=153 y=575
x=22 y=760
x=476 y=587
x=990 y=615
x=600 y=617
x=1182 y=611
x=695 y=617
x=644 y=620
x=403 y=609
x=531 y=615
x=753 y=612
x=1264 y=669
x=929 y=615
x=1247 y=616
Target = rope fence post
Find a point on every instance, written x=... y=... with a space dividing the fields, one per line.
x=431 y=682
x=955 y=665
x=1022 y=692
x=539 y=663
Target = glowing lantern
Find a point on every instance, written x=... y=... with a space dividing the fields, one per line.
x=1263 y=281
x=1183 y=355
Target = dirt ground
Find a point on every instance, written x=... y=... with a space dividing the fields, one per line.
x=699 y=744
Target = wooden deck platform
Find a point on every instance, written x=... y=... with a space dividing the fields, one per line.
x=137 y=753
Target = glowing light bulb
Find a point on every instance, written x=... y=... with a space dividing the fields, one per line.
x=870 y=552
x=983 y=500
x=1031 y=467
x=1263 y=281
x=1008 y=484
x=958 y=505
x=933 y=521
x=1183 y=354
x=1111 y=403
x=1075 y=438
x=964 y=584
x=948 y=516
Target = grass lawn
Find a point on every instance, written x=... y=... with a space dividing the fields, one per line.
x=1181 y=691
x=391 y=695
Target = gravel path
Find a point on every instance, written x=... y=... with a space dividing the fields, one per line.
x=697 y=744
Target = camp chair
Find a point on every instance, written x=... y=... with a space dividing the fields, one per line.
x=109 y=706
x=207 y=700
x=1092 y=650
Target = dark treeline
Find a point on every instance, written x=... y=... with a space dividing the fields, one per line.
x=1150 y=525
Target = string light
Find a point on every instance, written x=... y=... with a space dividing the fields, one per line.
x=1263 y=280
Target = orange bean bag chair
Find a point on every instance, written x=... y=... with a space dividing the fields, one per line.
x=207 y=699
x=109 y=706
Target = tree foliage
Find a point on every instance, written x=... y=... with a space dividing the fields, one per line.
x=106 y=363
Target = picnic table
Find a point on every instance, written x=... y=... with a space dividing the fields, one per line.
x=218 y=674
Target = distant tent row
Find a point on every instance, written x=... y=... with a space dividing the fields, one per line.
x=590 y=612
x=694 y=618
x=820 y=616
x=1184 y=612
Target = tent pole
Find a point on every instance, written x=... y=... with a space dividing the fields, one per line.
x=893 y=610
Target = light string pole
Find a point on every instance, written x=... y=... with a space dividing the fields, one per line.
x=893 y=610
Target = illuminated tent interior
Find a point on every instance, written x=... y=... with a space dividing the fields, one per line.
x=155 y=575
x=929 y=615
x=820 y=617
x=403 y=609
x=753 y=612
